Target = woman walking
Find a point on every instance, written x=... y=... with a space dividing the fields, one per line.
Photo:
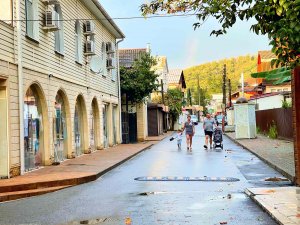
x=189 y=132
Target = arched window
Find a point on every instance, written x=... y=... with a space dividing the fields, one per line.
x=32 y=23
x=59 y=35
x=78 y=43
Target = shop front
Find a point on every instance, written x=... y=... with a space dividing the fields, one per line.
x=4 y=150
x=105 y=126
x=94 y=126
x=60 y=133
x=33 y=130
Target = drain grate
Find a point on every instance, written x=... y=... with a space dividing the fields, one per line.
x=205 y=179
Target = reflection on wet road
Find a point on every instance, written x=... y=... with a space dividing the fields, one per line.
x=117 y=198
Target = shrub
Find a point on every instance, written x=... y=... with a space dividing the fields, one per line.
x=273 y=131
x=258 y=130
x=286 y=104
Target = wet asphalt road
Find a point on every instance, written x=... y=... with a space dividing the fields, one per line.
x=116 y=196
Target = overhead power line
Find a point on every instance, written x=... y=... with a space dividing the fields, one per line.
x=119 y=18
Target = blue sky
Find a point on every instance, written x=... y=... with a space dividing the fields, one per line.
x=175 y=37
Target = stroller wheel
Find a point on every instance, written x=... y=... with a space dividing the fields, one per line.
x=222 y=146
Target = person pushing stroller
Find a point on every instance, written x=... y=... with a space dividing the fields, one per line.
x=208 y=125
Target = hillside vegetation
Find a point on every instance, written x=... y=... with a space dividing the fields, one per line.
x=210 y=75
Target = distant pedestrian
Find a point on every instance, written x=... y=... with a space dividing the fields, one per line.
x=189 y=132
x=179 y=138
x=208 y=125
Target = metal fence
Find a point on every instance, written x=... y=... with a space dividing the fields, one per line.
x=281 y=117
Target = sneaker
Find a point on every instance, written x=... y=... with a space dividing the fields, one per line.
x=205 y=146
x=187 y=148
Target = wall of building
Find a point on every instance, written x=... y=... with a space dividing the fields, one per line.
x=270 y=102
x=52 y=72
x=278 y=88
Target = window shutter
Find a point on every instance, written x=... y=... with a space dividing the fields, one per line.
x=29 y=18
x=36 y=24
x=104 y=57
x=76 y=45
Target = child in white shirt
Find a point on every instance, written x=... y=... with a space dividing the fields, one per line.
x=179 y=138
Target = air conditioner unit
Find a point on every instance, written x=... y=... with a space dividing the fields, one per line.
x=89 y=48
x=109 y=64
x=109 y=48
x=51 y=20
x=51 y=2
x=89 y=27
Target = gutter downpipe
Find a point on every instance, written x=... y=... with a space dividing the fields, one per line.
x=119 y=89
x=20 y=83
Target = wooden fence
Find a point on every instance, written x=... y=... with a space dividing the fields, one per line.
x=281 y=117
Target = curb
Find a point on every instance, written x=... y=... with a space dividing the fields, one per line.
x=287 y=175
x=252 y=196
x=121 y=162
x=82 y=180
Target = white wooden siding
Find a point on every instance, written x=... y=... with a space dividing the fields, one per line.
x=41 y=57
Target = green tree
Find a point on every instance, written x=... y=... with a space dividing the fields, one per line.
x=210 y=75
x=140 y=80
x=174 y=100
x=279 y=19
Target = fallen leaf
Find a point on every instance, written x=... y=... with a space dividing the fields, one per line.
x=128 y=221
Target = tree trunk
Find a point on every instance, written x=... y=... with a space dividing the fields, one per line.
x=296 y=120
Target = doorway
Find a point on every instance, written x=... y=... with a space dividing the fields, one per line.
x=4 y=150
x=94 y=126
x=33 y=125
x=79 y=125
x=60 y=129
x=105 y=126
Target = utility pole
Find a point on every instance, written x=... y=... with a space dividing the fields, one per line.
x=162 y=91
x=224 y=86
x=229 y=91
x=163 y=101
x=198 y=79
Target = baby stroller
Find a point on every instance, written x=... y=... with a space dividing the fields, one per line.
x=217 y=138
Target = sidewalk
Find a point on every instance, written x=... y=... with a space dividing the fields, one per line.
x=279 y=154
x=281 y=203
x=80 y=170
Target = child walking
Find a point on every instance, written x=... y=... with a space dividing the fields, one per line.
x=179 y=138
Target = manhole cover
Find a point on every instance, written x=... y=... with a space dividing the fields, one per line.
x=205 y=179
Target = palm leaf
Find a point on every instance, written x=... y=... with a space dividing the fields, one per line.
x=279 y=76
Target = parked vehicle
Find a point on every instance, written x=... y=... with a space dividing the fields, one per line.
x=194 y=119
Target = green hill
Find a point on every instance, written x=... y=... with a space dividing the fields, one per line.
x=210 y=75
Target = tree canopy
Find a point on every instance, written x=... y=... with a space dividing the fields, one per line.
x=279 y=19
x=140 y=80
x=173 y=99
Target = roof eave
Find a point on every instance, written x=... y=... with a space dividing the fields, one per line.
x=103 y=16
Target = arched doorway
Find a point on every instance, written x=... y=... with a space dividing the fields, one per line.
x=94 y=126
x=34 y=128
x=60 y=128
x=80 y=129
x=115 y=121
x=105 y=125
